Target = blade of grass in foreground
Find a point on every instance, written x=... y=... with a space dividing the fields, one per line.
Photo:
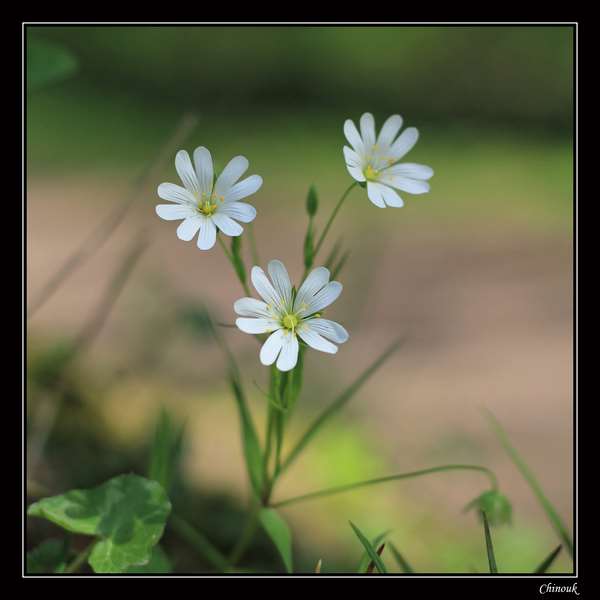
x=404 y=564
x=547 y=562
x=488 y=545
x=338 y=404
x=533 y=483
x=370 y=550
x=364 y=561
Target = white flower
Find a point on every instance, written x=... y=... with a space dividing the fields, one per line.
x=374 y=160
x=204 y=204
x=286 y=314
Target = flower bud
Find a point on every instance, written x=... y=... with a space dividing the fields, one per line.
x=312 y=202
x=496 y=507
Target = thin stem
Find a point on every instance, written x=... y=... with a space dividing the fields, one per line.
x=411 y=474
x=78 y=561
x=331 y=218
x=231 y=260
x=104 y=230
x=253 y=248
x=199 y=542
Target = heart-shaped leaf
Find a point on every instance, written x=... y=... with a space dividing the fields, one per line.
x=127 y=513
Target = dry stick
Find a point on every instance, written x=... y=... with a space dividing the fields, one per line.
x=45 y=416
x=104 y=230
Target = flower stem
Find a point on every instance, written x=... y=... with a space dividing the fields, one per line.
x=331 y=218
x=229 y=256
x=352 y=486
x=76 y=563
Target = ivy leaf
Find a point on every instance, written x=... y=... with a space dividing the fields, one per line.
x=127 y=513
x=159 y=563
x=277 y=529
x=49 y=557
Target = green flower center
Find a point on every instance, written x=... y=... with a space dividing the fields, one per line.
x=290 y=321
x=371 y=174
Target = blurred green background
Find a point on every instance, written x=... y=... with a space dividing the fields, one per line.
x=477 y=274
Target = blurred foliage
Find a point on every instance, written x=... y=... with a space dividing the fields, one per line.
x=502 y=73
x=47 y=63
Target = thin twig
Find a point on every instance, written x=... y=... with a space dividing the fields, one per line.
x=104 y=230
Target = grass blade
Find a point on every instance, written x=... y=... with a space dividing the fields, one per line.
x=547 y=562
x=339 y=403
x=370 y=550
x=488 y=545
x=402 y=562
x=551 y=512
x=364 y=561
x=277 y=529
x=372 y=564
x=165 y=451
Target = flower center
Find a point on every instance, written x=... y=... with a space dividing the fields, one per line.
x=207 y=206
x=371 y=174
x=290 y=321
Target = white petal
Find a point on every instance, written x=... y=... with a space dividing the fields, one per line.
x=352 y=159
x=204 y=169
x=240 y=211
x=189 y=228
x=186 y=172
x=264 y=288
x=251 y=307
x=375 y=193
x=390 y=197
x=173 y=212
x=390 y=130
x=281 y=280
x=270 y=349
x=367 y=130
x=408 y=138
x=356 y=173
x=329 y=329
x=254 y=326
x=324 y=297
x=353 y=137
x=176 y=193
x=412 y=186
x=412 y=170
x=208 y=234
x=316 y=341
x=289 y=352
x=244 y=188
x=315 y=281
x=226 y=224
x=235 y=168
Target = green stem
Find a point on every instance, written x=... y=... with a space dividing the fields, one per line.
x=231 y=260
x=199 y=542
x=352 y=486
x=253 y=248
x=331 y=218
x=76 y=563
x=247 y=534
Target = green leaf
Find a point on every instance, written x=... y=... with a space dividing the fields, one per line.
x=236 y=258
x=547 y=562
x=402 y=562
x=365 y=560
x=47 y=63
x=277 y=529
x=371 y=551
x=488 y=544
x=49 y=557
x=339 y=403
x=551 y=512
x=165 y=451
x=250 y=444
x=127 y=513
x=159 y=563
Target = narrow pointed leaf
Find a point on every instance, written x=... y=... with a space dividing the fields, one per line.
x=365 y=559
x=488 y=545
x=165 y=451
x=549 y=509
x=277 y=529
x=402 y=562
x=370 y=550
x=372 y=564
x=547 y=562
